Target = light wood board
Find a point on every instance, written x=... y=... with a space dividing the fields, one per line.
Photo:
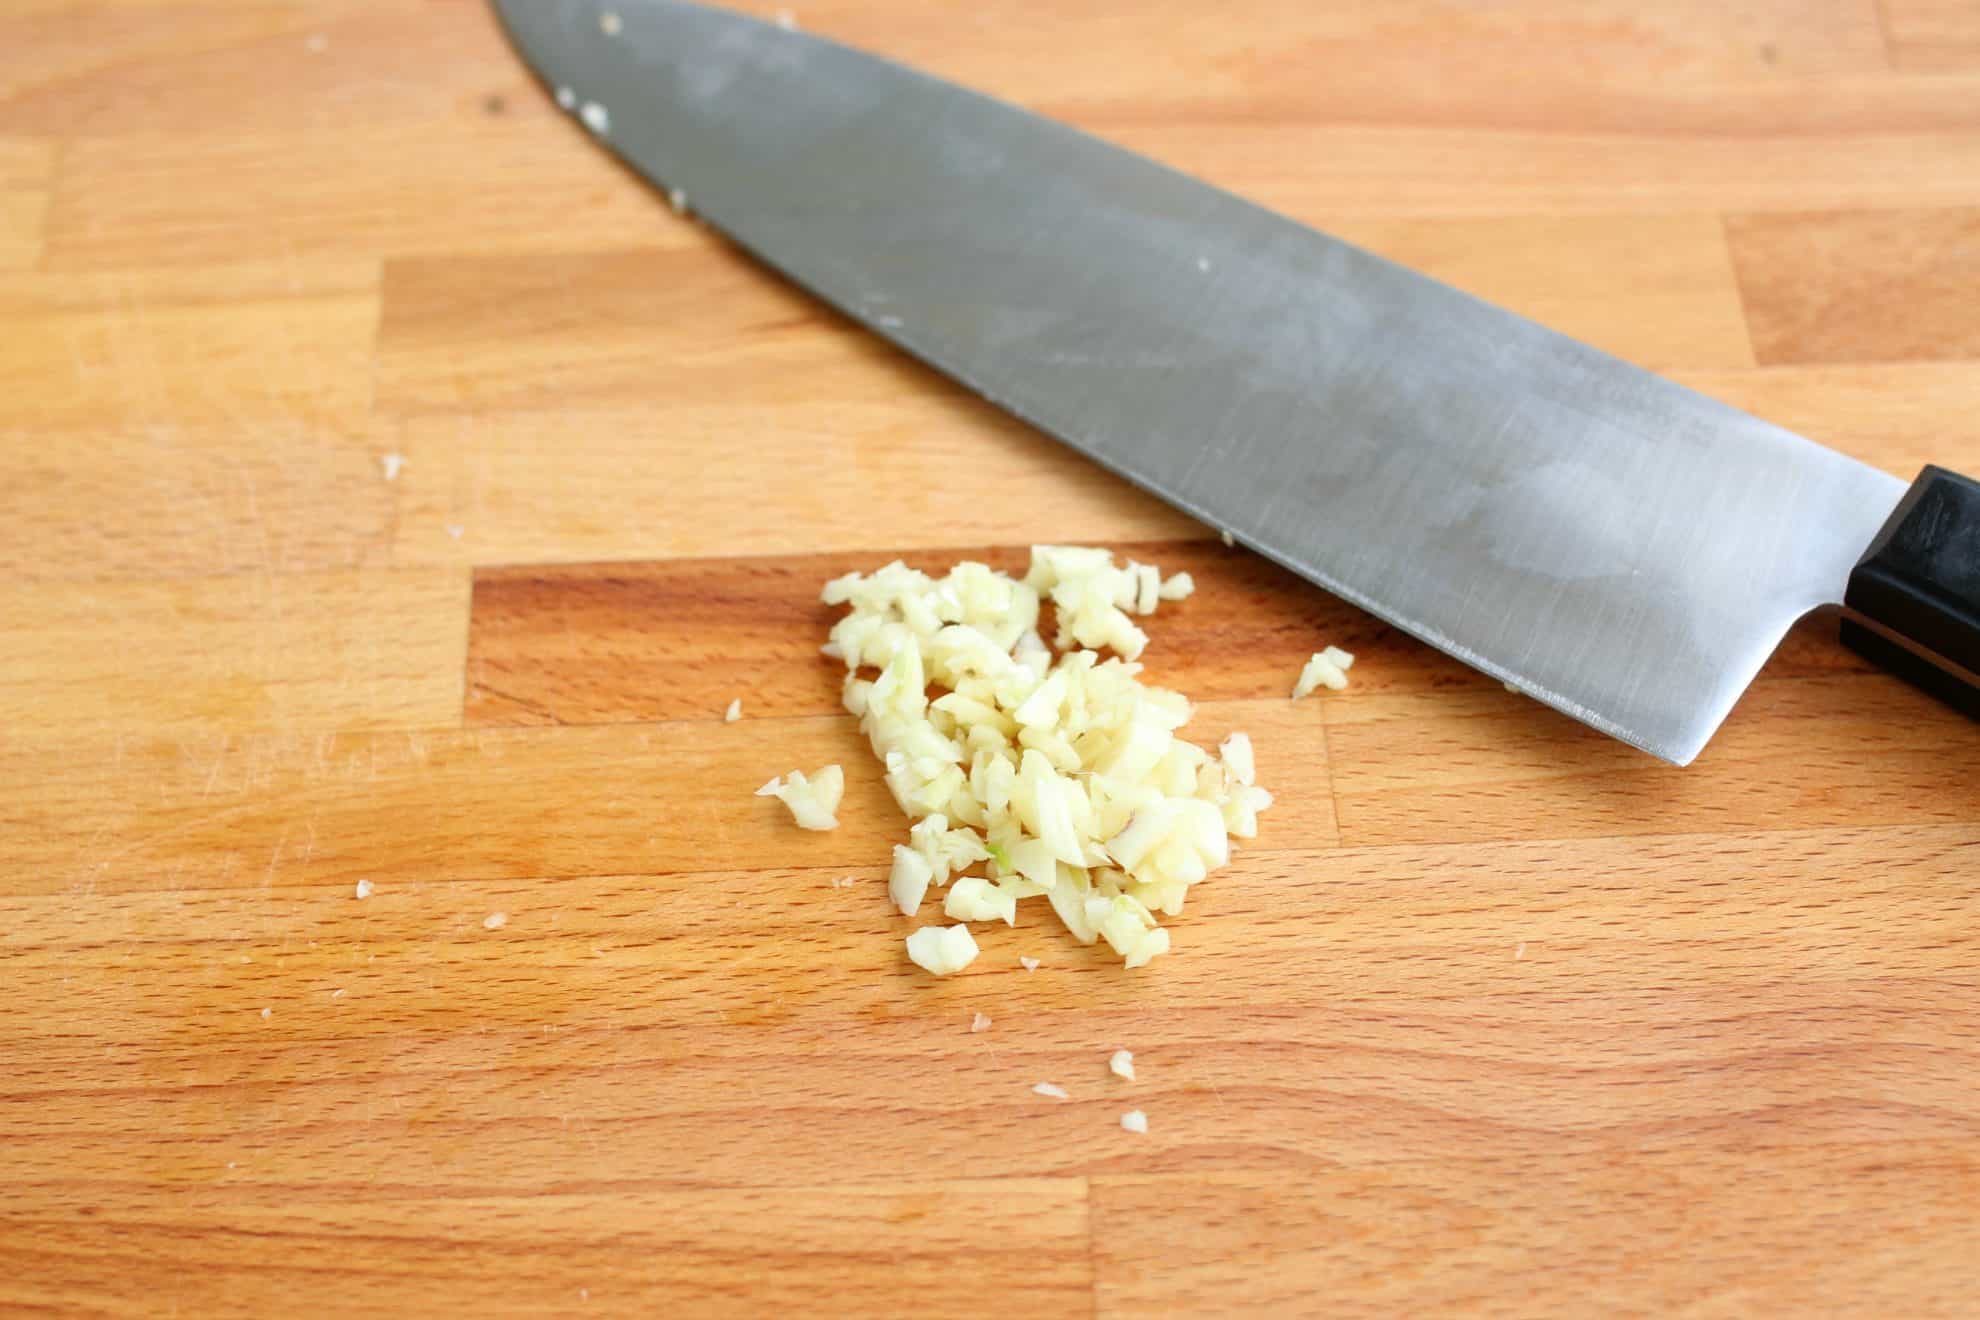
x=392 y=490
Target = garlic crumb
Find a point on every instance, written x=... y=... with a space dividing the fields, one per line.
x=1328 y=667
x=813 y=801
x=942 y=950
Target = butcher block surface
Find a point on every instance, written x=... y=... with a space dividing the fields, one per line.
x=393 y=490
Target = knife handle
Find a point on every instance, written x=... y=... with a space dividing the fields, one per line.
x=1914 y=599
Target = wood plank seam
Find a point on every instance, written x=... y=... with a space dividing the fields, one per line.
x=51 y=189
x=1887 y=32
x=1739 y=289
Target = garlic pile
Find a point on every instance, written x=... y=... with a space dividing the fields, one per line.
x=1063 y=774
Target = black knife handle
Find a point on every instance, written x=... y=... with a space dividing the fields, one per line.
x=1917 y=591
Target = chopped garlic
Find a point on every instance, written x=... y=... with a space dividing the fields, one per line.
x=1029 y=964
x=1236 y=754
x=812 y=801
x=495 y=921
x=365 y=889
x=908 y=883
x=391 y=463
x=610 y=23
x=566 y=98
x=1150 y=945
x=734 y=712
x=981 y=1022
x=975 y=899
x=1226 y=533
x=677 y=199
x=787 y=20
x=596 y=118
x=1122 y=1064
x=942 y=950
x=1329 y=667
x=1065 y=774
x=1051 y=1090
x=1134 y=1121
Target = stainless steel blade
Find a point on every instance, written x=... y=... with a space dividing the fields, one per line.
x=1619 y=547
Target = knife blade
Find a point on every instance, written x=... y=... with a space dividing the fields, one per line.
x=1617 y=546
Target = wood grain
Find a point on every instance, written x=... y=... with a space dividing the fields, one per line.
x=1423 y=748
x=1494 y=1018
x=1485 y=768
x=1031 y=49
x=1619 y=282
x=584 y=644
x=224 y=344
x=1896 y=416
x=1933 y=34
x=1590 y=1005
x=1540 y=949
x=272 y=809
x=888 y=1249
x=1888 y=286
x=25 y=167
x=1408 y=171
x=469 y=182
x=1500 y=1237
x=230 y=654
x=160 y=498
x=105 y=68
x=474 y=182
x=730 y=473
x=601 y=328
x=612 y=328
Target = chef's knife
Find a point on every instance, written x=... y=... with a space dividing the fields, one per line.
x=1621 y=548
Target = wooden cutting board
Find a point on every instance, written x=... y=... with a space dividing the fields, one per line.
x=393 y=492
